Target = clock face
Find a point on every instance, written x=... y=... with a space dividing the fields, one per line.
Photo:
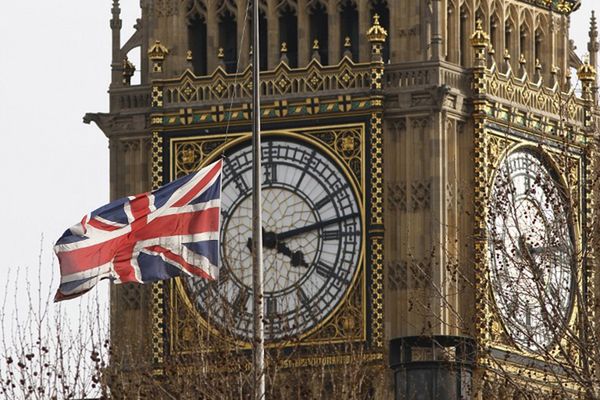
x=311 y=241
x=531 y=250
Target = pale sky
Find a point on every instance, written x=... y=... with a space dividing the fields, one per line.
x=55 y=67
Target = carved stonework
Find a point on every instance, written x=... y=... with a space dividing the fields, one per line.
x=408 y=274
x=163 y=8
x=417 y=198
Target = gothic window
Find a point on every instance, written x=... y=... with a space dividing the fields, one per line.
x=451 y=34
x=508 y=37
x=288 y=32
x=349 y=26
x=380 y=7
x=197 y=36
x=264 y=41
x=538 y=45
x=464 y=36
x=493 y=31
x=197 y=44
x=228 y=35
x=319 y=30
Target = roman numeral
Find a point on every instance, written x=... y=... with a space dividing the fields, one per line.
x=329 y=272
x=331 y=235
x=303 y=297
x=271 y=307
x=321 y=203
x=307 y=166
x=223 y=276
x=239 y=304
x=325 y=270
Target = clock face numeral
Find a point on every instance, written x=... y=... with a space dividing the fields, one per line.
x=531 y=250
x=312 y=241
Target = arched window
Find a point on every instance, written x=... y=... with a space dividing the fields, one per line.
x=264 y=41
x=288 y=33
x=538 y=44
x=380 y=7
x=452 y=27
x=263 y=37
x=319 y=30
x=197 y=44
x=228 y=39
x=197 y=37
x=349 y=26
x=493 y=31
x=464 y=36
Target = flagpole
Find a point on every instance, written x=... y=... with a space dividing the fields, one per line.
x=257 y=255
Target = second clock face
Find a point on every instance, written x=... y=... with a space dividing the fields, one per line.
x=531 y=250
x=311 y=241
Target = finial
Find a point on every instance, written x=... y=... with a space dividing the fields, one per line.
x=221 y=57
x=480 y=38
x=251 y=51
x=538 y=70
x=507 y=65
x=315 y=54
x=115 y=22
x=553 y=75
x=586 y=73
x=491 y=55
x=188 y=55
x=376 y=32
x=523 y=64
x=158 y=51
x=347 y=47
x=283 y=56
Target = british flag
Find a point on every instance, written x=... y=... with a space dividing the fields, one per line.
x=168 y=232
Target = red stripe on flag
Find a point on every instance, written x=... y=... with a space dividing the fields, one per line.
x=199 y=186
x=180 y=224
x=86 y=258
x=192 y=269
x=102 y=226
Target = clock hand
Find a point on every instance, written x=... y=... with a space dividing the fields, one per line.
x=296 y=256
x=312 y=227
x=270 y=241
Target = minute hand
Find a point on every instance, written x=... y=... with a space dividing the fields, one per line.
x=312 y=227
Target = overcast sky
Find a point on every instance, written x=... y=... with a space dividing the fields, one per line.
x=55 y=67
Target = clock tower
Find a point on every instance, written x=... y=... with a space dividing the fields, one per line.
x=427 y=187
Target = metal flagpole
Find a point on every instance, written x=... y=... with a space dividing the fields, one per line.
x=257 y=259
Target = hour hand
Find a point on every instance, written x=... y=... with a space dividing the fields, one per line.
x=297 y=256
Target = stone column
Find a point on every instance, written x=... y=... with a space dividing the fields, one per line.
x=364 y=22
x=212 y=37
x=244 y=36
x=274 y=36
x=304 y=42
x=333 y=31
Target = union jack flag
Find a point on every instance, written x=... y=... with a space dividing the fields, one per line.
x=168 y=232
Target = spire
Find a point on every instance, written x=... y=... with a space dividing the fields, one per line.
x=593 y=45
x=115 y=26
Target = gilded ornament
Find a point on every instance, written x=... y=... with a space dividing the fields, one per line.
x=376 y=32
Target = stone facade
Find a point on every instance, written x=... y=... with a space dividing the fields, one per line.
x=453 y=69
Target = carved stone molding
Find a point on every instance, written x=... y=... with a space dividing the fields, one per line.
x=413 y=274
x=409 y=197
